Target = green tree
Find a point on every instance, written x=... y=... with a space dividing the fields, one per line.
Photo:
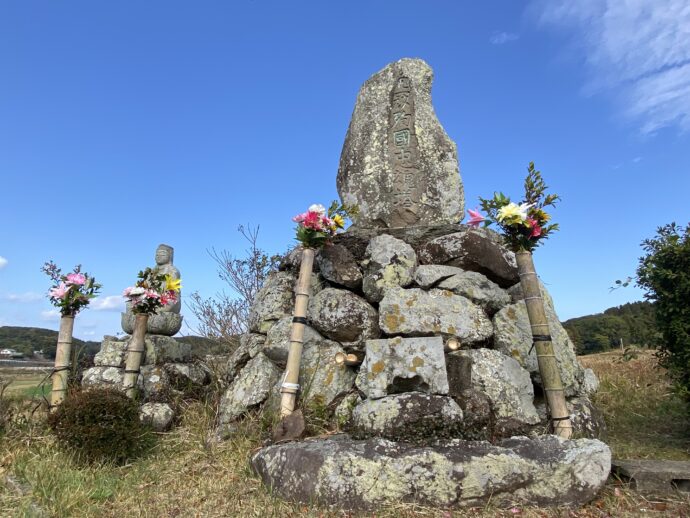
x=664 y=272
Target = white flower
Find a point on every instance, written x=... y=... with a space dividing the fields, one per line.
x=137 y=291
x=513 y=211
x=318 y=208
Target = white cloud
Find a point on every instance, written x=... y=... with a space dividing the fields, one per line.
x=49 y=315
x=29 y=296
x=3 y=262
x=109 y=303
x=499 y=38
x=640 y=48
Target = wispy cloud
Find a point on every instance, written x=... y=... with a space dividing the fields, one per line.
x=499 y=38
x=109 y=303
x=640 y=48
x=29 y=296
x=50 y=315
x=3 y=262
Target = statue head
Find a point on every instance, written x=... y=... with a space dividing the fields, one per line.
x=164 y=255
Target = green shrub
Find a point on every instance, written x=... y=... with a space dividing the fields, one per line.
x=101 y=425
x=664 y=272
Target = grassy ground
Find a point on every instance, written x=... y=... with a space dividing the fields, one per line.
x=24 y=383
x=186 y=475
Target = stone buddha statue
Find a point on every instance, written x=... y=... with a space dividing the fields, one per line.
x=166 y=320
x=164 y=266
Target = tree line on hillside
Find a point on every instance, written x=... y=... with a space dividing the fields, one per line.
x=633 y=323
x=26 y=340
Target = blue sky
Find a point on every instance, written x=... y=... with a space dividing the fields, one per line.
x=127 y=124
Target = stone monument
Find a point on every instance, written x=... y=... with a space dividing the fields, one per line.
x=167 y=320
x=398 y=165
x=446 y=407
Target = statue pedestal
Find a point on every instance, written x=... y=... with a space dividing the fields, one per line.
x=166 y=324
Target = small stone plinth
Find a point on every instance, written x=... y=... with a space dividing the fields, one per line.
x=167 y=324
x=360 y=475
x=655 y=477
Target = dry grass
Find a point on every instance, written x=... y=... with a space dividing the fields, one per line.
x=645 y=420
x=188 y=476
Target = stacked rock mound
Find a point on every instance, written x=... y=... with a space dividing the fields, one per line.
x=170 y=369
x=446 y=408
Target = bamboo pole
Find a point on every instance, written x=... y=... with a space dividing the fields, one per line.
x=135 y=352
x=290 y=385
x=546 y=358
x=60 y=376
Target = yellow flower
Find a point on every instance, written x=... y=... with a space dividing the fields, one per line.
x=172 y=284
x=339 y=221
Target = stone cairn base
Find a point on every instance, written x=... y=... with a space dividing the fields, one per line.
x=170 y=369
x=447 y=406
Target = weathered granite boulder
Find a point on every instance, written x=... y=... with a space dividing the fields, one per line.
x=410 y=417
x=415 y=312
x=507 y=385
x=343 y=316
x=277 y=345
x=160 y=349
x=473 y=249
x=272 y=302
x=159 y=416
x=478 y=289
x=250 y=345
x=478 y=422
x=343 y=412
x=251 y=388
x=103 y=377
x=388 y=263
x=587 y=420
x=190 y=379
x=338 y=266
x=166 y=324
x=155 y=384
x=361 y=475
x=397 y=164
x=396 y=365
x=113 y=353
x=321 y=379
x=513 y=337
x=428 y=276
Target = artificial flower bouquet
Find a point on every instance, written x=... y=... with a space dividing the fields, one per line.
x=523 y=225
x=152 y=291
x=317 y=225
x=72 y=292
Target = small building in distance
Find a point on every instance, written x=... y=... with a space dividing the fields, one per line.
x=10 y=354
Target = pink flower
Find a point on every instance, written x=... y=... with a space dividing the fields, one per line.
x=312 y=220
x=76 y=278
x=300 y=217
x=536 y=229
x=475 y=218
x=150 y=294
x=59 y=291
x=169 y=297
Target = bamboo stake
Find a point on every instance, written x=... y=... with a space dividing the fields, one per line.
x=61 y=370
x=135 y=352
x=452 y=344
x=546 y=359
x=290 y=384
x=351 y=359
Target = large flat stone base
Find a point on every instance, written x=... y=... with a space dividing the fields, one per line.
x=361 y=475
x=655 y=477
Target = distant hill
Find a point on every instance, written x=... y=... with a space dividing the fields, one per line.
x=29 y=339
x=633 y=323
